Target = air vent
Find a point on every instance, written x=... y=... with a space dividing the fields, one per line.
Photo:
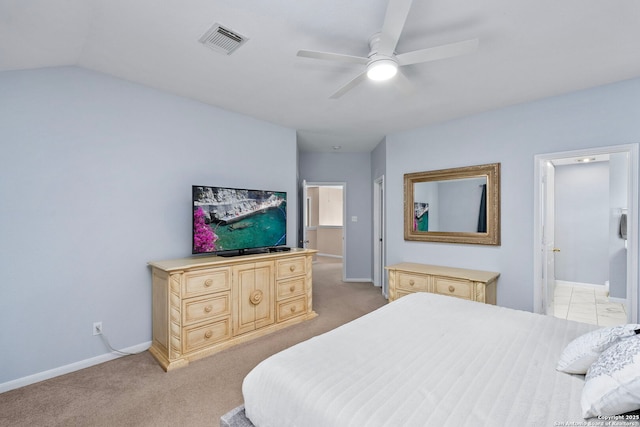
x=222 y=39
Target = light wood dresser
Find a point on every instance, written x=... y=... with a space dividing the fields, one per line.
x=475 y=285
x=202 y=305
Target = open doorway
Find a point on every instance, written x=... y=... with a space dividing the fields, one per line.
x=582 y=199
x=324 y=220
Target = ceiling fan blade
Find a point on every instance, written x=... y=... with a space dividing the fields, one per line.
x=403 y=83
x=394 y=19
x=438 y=52
x=327 y=56
x=350 y=85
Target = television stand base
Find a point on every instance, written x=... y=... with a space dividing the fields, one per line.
x=239 y=252
x=280 y=249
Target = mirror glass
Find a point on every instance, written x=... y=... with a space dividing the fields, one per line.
x=460 y=205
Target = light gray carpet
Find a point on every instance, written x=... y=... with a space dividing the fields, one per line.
x=135 y=391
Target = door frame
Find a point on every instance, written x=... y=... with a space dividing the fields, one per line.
x=547 y=218
x=306 y=184
x=379 y=235
x=539 y=288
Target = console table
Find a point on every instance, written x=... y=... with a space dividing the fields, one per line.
x=475 y=285
x=202 y=305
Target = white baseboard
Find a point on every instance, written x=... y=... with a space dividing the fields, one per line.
x=368 y=279
x=72 y=367
x=582 y=285
x=329 y=255
x=622 y=301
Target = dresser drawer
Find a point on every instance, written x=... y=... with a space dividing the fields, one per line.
x=206 y=281
x=291 y=267
x=204 y=308
x=454 y=287
x=291 y=288
x=413 y=282
x=203 y=305
x=291 y=308
x=204 y=335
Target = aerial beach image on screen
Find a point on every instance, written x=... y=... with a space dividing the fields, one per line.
x=230 y=219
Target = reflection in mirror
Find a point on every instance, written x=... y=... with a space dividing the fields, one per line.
x=456 y=205
x=460 y=205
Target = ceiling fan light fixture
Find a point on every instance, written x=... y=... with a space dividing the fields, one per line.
x=382 y=69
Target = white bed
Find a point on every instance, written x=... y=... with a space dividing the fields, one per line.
x=423 y=360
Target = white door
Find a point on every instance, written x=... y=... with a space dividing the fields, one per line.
x=305 y=215
x=379 y=273
x=548 y=226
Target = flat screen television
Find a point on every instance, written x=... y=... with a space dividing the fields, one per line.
x=236 y=221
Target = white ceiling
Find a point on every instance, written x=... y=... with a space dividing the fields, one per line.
x=528 y=50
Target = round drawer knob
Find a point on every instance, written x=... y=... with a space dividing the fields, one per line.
x=293 y=308
x=208 y=334
x=208 y=309
x=208 y=282
x=411 y=282
x=255 y=297
x=292 y=268
x=451 y=288
x=292 y=288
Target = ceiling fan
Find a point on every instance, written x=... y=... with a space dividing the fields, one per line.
x=382 y=63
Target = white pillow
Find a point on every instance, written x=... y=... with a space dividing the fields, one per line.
x=580 y=353
x=612 y=384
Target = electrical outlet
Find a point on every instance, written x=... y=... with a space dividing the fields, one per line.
x=97 y=328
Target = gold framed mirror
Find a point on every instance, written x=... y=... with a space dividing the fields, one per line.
x=459 y=205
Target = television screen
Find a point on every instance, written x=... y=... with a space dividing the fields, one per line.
x=234 y=219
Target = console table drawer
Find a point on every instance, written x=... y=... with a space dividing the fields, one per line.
x=206 y=281
x=199 y=309
x=291 y=267
x=452 y=287
x=413 y=282
x=291 y=288
x=203 y=336
x=292 y=308
x=474 y=285
x=400 y=294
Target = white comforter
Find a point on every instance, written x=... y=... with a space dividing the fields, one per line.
x=424 y=360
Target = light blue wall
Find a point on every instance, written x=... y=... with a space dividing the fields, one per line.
x=95 y=177
x=603 y=116
x=355 y=170
x=95 y=180
x=618 y=204
x=379 y=160
x=582 y=223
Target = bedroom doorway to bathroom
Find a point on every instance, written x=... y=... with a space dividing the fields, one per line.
x=324 y=222
x=585 y=234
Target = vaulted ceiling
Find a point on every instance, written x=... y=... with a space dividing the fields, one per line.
x=527 y=50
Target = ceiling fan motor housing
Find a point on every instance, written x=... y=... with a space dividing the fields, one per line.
x=380 y=67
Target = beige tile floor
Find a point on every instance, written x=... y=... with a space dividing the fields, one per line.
x=587 y=305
